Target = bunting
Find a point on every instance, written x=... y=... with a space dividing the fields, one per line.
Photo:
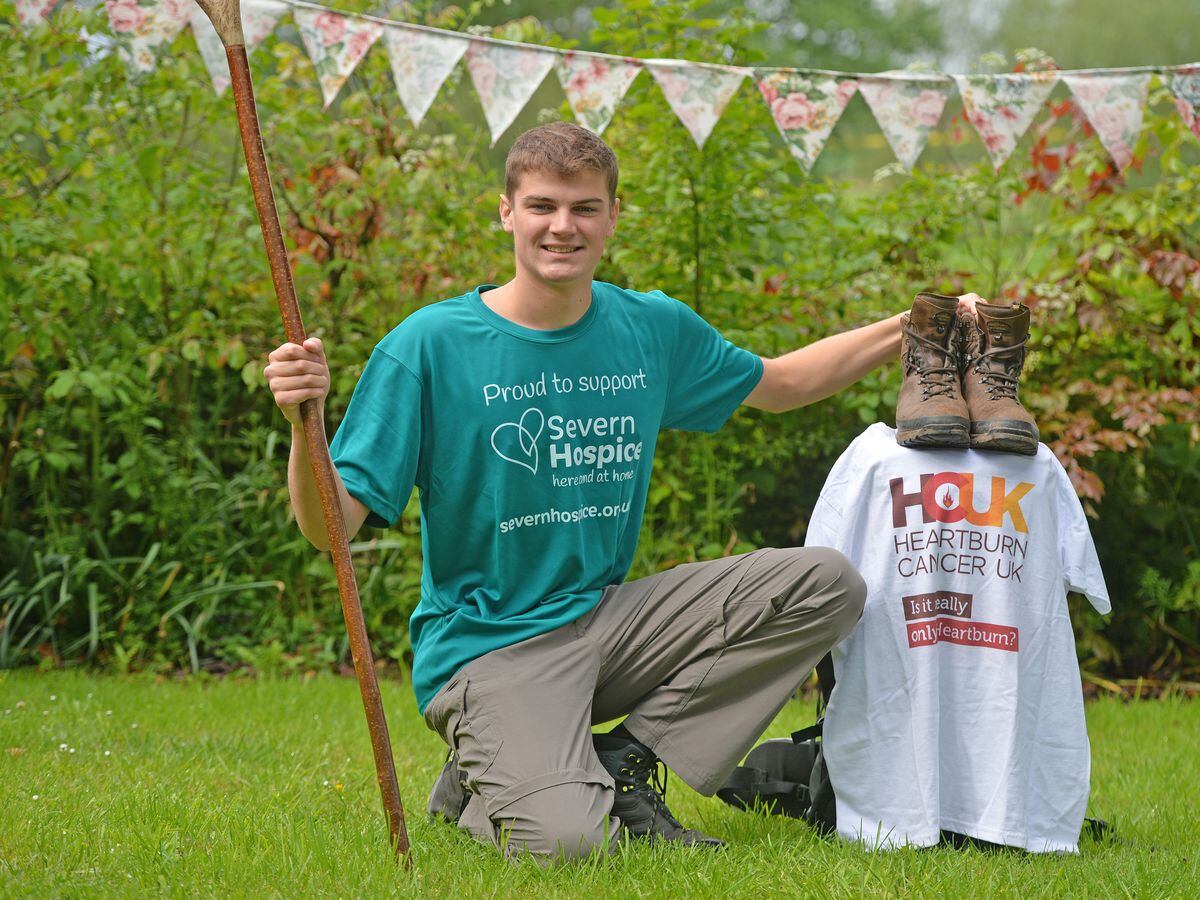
x=1001 y=107
x=907 y=110
x=805 y=108
x=259 y=18
x=30 y=12
x=594 y=85
x=696 y=94
x=1113 y=105
x=421 y=62
x=1185 y=85
x=144 y=29
x=804 y=104
x=336 y=44
x=505 y=77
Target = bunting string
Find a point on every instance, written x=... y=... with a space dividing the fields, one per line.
x=805 y=104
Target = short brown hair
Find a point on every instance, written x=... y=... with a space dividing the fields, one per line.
x=563 y=149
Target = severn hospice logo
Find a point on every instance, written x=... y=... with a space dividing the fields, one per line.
x=516 y=442
x=950 y=497
x=570 y=445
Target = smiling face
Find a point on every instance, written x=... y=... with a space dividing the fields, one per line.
x=559 y=226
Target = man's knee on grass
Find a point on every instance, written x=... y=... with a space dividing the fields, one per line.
x=559 y=824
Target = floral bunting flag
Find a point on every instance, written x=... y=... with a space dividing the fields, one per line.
x=259 y=18
x=907 y=109
x=30 y=12
x=698 y=94
x=594 y=85
x=1002 y=107
x=144 y=28
x=1113 y=104
x=805 y=108
x=505 y=77
x=1185 y=85
x=336 y=45
x=421 y=62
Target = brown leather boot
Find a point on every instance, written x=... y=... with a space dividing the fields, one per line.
x=992 y=357
x=930 y=411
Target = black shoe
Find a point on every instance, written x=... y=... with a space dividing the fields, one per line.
x=449 y=796
x=640 y=803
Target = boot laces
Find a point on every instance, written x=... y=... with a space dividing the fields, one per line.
x=935 y=380
x=1000 y=385
x=650 y=780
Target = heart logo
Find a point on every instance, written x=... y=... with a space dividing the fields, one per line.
x=516 y=442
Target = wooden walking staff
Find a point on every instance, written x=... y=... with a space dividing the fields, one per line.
x=227 y=20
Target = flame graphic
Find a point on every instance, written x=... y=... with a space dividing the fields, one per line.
x=947 y=499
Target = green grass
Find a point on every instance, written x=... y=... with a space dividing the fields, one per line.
x=258 y=788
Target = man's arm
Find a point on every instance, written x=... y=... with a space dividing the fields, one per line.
x=306 y=501
x=294 y=374
x=822 y=369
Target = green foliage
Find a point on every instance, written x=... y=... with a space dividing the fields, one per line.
x=144 y=520
x=1089 y=33
x=848 y=35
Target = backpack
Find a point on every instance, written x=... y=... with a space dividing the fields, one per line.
x=787 y=776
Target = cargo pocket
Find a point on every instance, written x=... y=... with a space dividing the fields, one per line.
x=474 y=739
x=758 y=597
x=457 y=716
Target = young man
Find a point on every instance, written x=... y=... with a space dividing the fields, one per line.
x=527 y=416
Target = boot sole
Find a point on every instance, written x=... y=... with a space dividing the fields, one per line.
x=1005 y=437
x=935 y=431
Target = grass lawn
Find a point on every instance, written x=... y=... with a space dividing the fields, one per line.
x=121 y=786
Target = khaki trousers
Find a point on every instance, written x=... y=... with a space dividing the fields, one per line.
x=700 y=658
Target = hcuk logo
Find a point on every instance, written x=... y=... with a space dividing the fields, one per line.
x=950 y=497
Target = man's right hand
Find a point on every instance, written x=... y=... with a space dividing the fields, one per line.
x=295 y=373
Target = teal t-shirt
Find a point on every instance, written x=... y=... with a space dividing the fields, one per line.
x=531 y=451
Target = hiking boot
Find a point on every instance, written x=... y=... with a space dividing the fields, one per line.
x=992 y=357
x=449 y=796
x=930 y=411
x=640 y=803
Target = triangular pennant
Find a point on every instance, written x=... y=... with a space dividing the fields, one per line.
x=805 y=108
x=505 y=77
x=144 y=29
x=1113 y=104
x=421 y=61
x=259 y=18
x=336 y=44
x=594 y=85
x=30 y=12
x=1002 y=107
x=698 y=94
x=1185 y=85
x=907 y=109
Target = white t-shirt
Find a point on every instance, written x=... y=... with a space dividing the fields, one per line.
x=958 y=704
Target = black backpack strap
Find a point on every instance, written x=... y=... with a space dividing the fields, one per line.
x=1098 y=829
x=825 y=680
x=747 y=787
x=809 y=733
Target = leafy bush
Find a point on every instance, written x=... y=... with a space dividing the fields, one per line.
x=143 y=507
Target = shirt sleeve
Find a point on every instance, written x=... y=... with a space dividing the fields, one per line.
x=377 y=446
x=1081 y=566
x=709 y=376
